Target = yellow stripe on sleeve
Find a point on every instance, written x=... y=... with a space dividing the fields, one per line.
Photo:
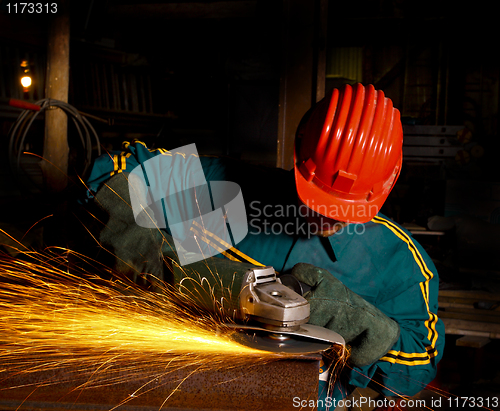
x=116 y=165
x=227 y=245
x=215 y=246
x=400 y=357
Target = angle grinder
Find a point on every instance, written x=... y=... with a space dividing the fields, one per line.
x=266 y=314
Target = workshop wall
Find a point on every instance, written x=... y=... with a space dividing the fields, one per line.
x=211 y=74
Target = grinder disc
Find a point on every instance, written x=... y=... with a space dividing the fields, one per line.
x=279 y=343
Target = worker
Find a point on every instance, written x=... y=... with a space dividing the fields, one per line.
x=369 y=280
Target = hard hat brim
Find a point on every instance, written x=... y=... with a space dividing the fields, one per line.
x=334 y=206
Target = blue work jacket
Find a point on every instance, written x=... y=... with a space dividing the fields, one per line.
x=378 y=260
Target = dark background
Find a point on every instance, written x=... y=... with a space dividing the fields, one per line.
x=217 y=73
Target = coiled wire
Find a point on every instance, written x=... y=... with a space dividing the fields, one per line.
x=19 y=131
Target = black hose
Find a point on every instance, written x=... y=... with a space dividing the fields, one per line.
x=19 y=131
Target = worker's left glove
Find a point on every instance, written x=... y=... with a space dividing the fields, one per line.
x=370 y=333
x=133 y=250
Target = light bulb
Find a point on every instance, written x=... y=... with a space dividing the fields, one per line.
x=26 y=81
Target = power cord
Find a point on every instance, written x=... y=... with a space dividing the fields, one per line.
x=19 y=131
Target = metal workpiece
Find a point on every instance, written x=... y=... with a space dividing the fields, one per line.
x=270 y=385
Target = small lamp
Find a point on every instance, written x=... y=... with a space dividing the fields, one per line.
x=26 y=80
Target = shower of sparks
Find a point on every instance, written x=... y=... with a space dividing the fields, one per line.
x=58 y=318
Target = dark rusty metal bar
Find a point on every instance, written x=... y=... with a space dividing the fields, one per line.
x=271 y=386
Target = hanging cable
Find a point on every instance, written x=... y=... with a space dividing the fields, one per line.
x=19 y=131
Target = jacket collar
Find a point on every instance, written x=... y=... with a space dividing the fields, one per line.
x=341 y=240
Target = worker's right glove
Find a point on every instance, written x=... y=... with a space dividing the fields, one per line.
x=368 y=331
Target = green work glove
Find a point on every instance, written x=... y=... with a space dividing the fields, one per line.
x=133 y=250
x=368 y=331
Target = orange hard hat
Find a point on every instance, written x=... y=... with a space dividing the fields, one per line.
x=348 y=153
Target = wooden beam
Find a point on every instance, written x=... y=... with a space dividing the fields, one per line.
x=467 y=295
x=475 y=328
x=479 y=316
x=55 y=149
x=472 y=341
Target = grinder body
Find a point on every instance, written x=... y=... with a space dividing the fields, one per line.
x=252 y=301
